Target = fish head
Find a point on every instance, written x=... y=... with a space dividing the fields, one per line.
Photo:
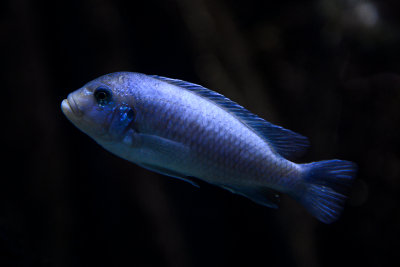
x=102 y=108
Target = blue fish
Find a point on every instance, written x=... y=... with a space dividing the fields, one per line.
x=186 y=131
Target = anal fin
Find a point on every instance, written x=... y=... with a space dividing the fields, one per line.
x=170 y=173
x=261 y=195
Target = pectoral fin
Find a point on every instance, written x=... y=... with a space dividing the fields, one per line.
x=261 y=195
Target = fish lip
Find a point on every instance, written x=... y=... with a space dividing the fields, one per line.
x=73 y=106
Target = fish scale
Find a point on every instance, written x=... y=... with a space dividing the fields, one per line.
x=186 y=131
x=223 y=150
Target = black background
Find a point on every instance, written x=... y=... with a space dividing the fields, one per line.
x=326 y=69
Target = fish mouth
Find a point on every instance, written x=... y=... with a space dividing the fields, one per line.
x=69 y=105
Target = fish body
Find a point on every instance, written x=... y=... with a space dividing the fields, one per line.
x=189 y=132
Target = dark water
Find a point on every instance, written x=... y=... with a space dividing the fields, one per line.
x=326 y=69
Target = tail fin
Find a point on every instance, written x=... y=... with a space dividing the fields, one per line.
x=327 y=183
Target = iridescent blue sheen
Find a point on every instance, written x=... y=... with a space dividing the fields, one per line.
x=189 y=132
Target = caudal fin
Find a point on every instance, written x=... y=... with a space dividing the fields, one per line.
x=327 y=183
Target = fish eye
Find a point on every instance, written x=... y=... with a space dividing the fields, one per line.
x=102 y=95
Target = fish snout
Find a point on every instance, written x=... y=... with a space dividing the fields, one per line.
x=70 y=105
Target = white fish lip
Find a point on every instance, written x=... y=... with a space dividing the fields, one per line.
x=69 y=105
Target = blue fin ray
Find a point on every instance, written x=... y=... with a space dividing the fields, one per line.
x=326 y=183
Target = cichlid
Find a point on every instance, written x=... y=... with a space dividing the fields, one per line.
x=186 y=131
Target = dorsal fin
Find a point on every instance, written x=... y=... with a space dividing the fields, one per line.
x=285 y=142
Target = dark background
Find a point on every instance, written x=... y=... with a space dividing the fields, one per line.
x=328 y=69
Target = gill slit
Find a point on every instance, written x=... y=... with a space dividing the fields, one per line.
x=110 y=120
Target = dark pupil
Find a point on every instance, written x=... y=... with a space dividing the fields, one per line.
x=103 y=96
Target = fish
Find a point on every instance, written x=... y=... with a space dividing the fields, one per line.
x=186 y=131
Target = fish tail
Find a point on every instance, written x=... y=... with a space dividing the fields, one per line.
x=326 y=186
